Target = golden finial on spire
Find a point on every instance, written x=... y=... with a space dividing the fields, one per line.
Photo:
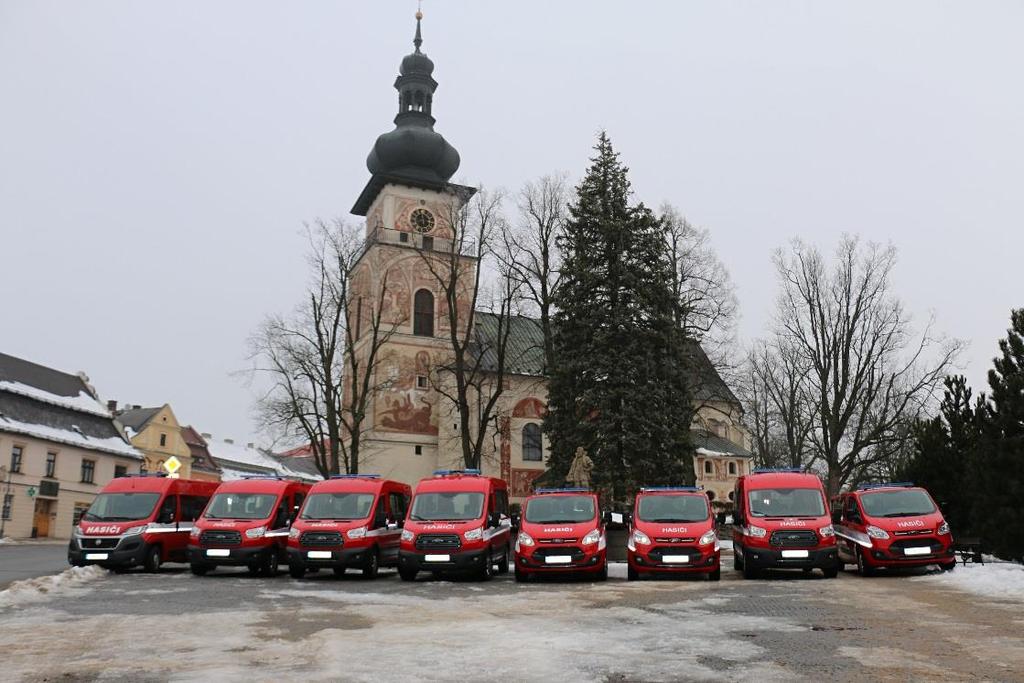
x=419 y=10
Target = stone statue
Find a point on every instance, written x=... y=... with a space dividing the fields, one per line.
x=580 y=469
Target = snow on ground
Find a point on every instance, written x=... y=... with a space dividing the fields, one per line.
x=44 y=587
x=6 y=540
x=999 y=580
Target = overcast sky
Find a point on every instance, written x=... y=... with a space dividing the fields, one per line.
x=158 y=159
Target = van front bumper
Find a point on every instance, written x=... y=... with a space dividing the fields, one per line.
x=772 y=558
x=890 y=556
x=339 y=557
x=582 y=560
x=697 y=561
x=129 y=552
x=238 y=556
x=456 y=562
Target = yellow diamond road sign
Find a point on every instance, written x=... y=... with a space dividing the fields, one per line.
x=172 y=465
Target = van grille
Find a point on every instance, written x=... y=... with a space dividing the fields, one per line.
x=914 y=532
x=794 y=539
x=556 y=541
x=320 y=538
x=575 y=553
x=674 y=540
x=105 y=543
x=220 y=537
x=933 y=545
x=438 y=542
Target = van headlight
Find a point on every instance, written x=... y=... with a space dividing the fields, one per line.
x=875 y=532
x=708 y=537
x=358 y=532
x=756 y=532
x=943 y=529
x=407 y=535
x=827 y=531
x=592 y=538
x=134 y=531
x=524 y=539
x=76 y=532
x=293 y=533
x=195 y=532
x=474 y=534
x=256 y=533
x=640 y=538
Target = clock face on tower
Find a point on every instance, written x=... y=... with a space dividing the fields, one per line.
x=422 y=220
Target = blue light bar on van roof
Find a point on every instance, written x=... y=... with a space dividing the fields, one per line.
x=445 y=473
x=885 y=485
x=771 y=470
x=262 y=476
x=650 y=489
x=355 y=476
x=568 y=490
x=144 y=474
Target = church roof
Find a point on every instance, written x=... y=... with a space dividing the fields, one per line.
x=525 y=355
x=706 y=443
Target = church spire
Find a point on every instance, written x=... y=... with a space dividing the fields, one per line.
x=418 y=40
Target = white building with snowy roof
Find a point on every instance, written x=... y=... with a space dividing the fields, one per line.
x=59 y=445
x=237 y=461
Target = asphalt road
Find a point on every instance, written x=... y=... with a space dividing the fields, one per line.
x=229 y=626
x=24 y=561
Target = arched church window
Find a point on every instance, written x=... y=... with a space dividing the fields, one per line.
x=533 y=447
x=423 y=314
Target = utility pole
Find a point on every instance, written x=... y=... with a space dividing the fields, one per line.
x=7 y=492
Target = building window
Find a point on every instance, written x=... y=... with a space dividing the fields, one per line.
x=419 y=450
x=16 y=459
x=421 y=381
x=163 y=439
x=708 y=467
x=8 y=504
x=88 y=471
x=732 y=468
x=51 y=464
x=120 y=471
x=533 y=446
x=80 y=509
x=423 y=314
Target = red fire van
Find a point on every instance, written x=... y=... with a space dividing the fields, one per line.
x=246 y=525
x=891 y=525
x=139 y=520
x=781 y=521
x=350 y=520
x=672 y=530
x=561 y=531
x=458 y=522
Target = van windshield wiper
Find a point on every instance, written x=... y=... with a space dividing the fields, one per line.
x=905 y=514
x=676 y=519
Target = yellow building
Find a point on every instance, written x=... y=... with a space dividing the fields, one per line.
x=156 y=432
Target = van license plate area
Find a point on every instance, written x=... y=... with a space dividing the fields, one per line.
x=319 y=554
x=97 y=556
x=795 y=554
x=919 y=550
x=437 y=558
x=675 y=559
x=218 y=552
x=558 y=559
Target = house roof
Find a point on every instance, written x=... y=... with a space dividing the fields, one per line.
x=136 y=419
x=56 y=406
x=707 y=443
x=201 y=459
x=524 y=355
x=232 y=458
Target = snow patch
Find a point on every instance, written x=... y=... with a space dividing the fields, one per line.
x=83 y=402
x=110 y=445
x=1001 y=580
x=42 y=588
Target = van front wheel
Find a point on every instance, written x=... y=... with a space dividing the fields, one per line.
x=407 y=574
x=151 y=563
x=296 y=571
x=199 y=569
x=372 y=566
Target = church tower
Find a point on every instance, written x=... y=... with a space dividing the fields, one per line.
x=410 y=206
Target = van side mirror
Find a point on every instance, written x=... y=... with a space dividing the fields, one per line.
x=837 y=516
x=607 y=518
x=494 y=519
x=516 y=519
x=166 y=517
x=380 y=519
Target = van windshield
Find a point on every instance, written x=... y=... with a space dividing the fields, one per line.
x=241 y=506
x=338 y=506
x=560 y=509
x=668 y=508
x=121 y=507
x=786 y=503
x=451 y=507
x=897 y=503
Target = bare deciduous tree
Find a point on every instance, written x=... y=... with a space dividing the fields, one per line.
x=321 y=359
x=867 y=372
x=779 y=407
x=471 y=376
x=529 y=252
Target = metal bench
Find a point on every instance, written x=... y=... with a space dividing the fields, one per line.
x=969 y=550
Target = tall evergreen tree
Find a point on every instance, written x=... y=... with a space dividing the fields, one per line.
x=1000 y=466
x=618 y=382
